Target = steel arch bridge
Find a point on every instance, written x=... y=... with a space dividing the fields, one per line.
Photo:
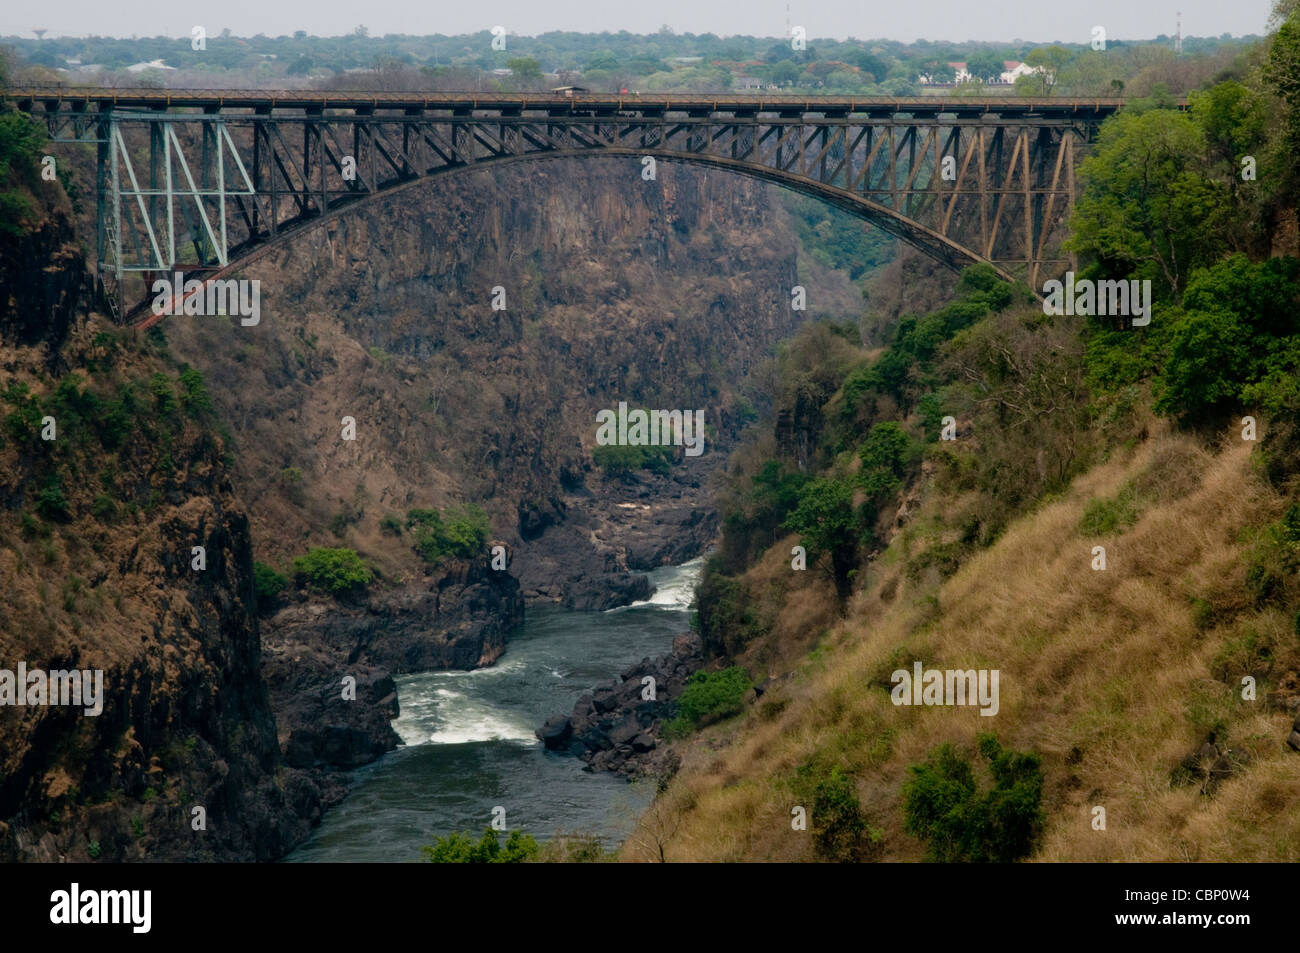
x=206 y=181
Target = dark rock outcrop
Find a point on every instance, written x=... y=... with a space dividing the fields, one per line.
x=459 y=618
x=616 y=726
x=594 y=559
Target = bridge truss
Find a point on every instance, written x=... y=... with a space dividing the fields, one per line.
x=202 y=181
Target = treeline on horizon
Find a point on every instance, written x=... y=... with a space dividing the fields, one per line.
x=664 y=61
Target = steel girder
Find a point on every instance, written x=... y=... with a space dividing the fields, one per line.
x=201 y=191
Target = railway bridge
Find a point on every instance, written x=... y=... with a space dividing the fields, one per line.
x=205 y=181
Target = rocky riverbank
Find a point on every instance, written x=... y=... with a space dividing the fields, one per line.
x=326 y=725
x=617 y=726
x=613 y=533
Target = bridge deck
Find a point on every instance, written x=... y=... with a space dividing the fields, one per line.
x=80 y=98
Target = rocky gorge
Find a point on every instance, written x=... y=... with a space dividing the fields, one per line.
x=259 y=707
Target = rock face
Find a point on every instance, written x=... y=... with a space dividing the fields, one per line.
x=661 y=297
x=615 y=727
x=457 y=619
x=44 y=275
x=596 y=557
x=186 y=720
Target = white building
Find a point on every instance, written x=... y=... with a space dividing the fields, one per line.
x=1013 y=70
x=960 y=75
x=152 y=64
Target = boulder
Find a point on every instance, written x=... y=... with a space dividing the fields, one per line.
x=556 y=733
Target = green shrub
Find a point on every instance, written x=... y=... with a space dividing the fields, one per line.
x=709 y=697
x=575 y=848
x=24 y=421
x=463 y=849
x=164 y=394
x=1102 y=517
x=32 y=527
x=194 y=392
x=104 y=508
x=391 y=525
x=942 y=804
x=267 y=582
x=839 y=827
x=50 y=502
x=335 y=571
x=728 y=618
x=461 y=533
x=1274 y=560
x=21 y=139
x=884 y=457
x=624 y=459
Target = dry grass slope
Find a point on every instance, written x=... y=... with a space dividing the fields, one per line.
x=1106 y=674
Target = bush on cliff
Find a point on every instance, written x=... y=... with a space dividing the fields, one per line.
x=461 y=533
x=709 y=697
x=839 y=826
x=267 y=581
x=335 y=571
x=624 y=459
x=942 y=805
x=21 y=139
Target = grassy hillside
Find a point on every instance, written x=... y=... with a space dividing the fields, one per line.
x=1116 y=678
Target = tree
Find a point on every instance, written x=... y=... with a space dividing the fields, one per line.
x=985 y=65
x=936 y=70
x=604 y=60
x=869 y=63
x=1090 y=73
x=1282 y=72
x=883 y=456
x=825 y=523
x=1235 y=120
x=525 y=68
x=1147 y=210
x=785 y=73
x=1046 y=62
x=1282 y=11
x=462 y=849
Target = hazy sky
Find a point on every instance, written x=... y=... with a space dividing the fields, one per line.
x=905 y=20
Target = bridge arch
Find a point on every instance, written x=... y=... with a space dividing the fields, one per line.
x=937 y=246
x=962 y=179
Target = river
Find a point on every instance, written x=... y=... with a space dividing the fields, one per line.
x=469 y=745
